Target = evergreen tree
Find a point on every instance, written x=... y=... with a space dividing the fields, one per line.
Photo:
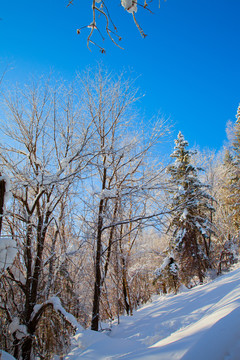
x=225 y=199
x=235 y=175
x=167 y=276
x=190 y=223
x=228 y=197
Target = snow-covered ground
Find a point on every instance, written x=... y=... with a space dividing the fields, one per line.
x=198 y=324
x=5 y=356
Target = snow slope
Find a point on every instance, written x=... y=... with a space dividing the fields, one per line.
x=201 y=323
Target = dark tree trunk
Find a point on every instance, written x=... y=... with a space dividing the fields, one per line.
x=32 y=282
x=98 y=276
x=198 y=260
x=27 y=349
x=97 y=285
x=126 y=295
x=16 y=348
x=2 y=193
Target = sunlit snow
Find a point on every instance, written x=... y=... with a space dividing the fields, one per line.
x=201 y=323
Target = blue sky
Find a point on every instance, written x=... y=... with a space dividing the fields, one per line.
x=187 y=66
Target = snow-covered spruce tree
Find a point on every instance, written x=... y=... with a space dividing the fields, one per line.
x=190 y=224
x=234 y=185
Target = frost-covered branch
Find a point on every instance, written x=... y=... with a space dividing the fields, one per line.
x=139 y=218
x=102 y=8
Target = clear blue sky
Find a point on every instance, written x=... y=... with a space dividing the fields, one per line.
x=189 y=64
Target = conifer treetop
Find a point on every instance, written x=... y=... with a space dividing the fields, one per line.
x=238 y=114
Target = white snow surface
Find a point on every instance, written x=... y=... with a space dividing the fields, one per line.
x=6 y=356
x=200 y=323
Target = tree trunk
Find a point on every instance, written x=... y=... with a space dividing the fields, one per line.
x=97 y=289
x=98 y=277
x=2 y=193
x=126 y=294
x=27 y=348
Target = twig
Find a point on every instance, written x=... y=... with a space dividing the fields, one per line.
x=138 y=26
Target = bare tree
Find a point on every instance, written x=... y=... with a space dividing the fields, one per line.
x=45 y=154
x=118 y=172
x=82 y=175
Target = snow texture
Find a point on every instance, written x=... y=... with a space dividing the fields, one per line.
x=19 y=330
x=201 y=323
x=165 y=263
x=106 y=194
x=6 y=356
x=184 y=214
x=8 y=251
x=129 y=5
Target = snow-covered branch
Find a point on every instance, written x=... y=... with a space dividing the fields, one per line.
x=55 y=303
x=8 y=251
x=102 y=8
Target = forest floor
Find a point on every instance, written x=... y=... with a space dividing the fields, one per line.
x=200 y=323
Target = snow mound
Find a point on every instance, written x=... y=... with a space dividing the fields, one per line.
x=6 y=356
x=201 y=323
